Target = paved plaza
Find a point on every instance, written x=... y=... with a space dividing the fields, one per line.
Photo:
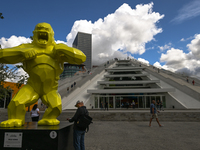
x=181 y=130
x=119 y=135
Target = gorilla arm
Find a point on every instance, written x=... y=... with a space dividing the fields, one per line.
x=69 y=54
x=17 y=54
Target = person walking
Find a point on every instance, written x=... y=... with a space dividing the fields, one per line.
x=153 y=112
x=193 y=82
x=35 y=113
x=133 y=104
x=78 y=134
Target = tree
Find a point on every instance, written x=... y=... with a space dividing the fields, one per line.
x=7 y=72
x=4 y=73
x=10 y=73
x=1 y=16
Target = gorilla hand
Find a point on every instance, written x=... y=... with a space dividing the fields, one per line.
x=29 y=53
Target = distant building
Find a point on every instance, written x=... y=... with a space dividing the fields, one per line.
x=71 y=69
x=83 y=42
x=125 y=84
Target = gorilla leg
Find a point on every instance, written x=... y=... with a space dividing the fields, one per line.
x=17 y=107
x=53 y=101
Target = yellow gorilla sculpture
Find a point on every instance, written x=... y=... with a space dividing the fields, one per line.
x=43 y=60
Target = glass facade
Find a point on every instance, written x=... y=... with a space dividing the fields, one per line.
x=70 y=70
x=116 y=102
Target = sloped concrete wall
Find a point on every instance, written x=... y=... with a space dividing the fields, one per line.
x=179 y=99
x=182 y=88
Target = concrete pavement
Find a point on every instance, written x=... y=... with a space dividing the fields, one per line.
x=124 y=115
x=134 y=135
x=181 y=130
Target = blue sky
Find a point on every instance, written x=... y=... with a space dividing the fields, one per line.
x=172 y=47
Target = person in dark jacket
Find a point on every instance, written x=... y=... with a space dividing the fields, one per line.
x=79 y=134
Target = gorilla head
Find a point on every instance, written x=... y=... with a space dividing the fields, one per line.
x=43 y=35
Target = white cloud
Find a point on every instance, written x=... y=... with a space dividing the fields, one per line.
x=58 y=41
x=176 y=59
x=102 y=55
x=165 y=47
x=179 y=61
x=194 y=46
x=157 y=64
x=173 y=56
x=13 y=41
x=188 y=11
x=146 y=62
x=127 y=30
x=165 y=67
x=183 y=39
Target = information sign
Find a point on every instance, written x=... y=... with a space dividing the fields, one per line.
x=13 y=139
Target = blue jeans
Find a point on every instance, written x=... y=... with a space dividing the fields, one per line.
x=78 y=140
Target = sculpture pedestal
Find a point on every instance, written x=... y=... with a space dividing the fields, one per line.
x=34 y=137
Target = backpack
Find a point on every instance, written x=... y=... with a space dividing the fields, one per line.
x=84 y=121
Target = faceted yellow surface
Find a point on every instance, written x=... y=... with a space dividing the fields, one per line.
x=43 y=60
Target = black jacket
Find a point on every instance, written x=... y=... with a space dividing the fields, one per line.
x=80 y=111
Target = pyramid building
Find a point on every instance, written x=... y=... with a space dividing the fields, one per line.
x=125 y=82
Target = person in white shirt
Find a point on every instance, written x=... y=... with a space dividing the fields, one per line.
x=35 y=113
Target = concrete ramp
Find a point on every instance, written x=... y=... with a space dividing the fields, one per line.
x=182 y=98
x=81 y=93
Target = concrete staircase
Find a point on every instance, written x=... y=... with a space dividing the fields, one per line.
x=79 y=92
